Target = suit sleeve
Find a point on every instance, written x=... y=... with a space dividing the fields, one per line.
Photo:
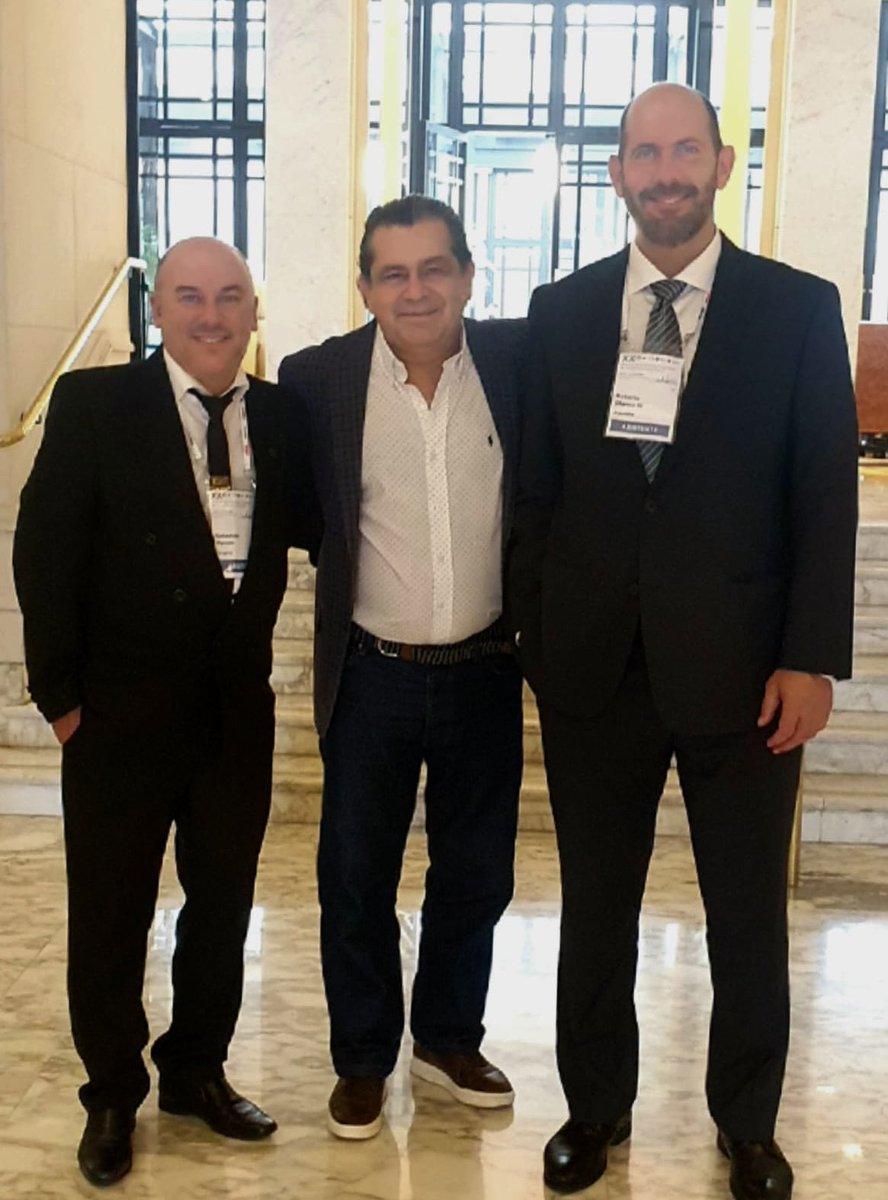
x=538 y=491
x=52 y=551
x=307 y=524
x=823 y=501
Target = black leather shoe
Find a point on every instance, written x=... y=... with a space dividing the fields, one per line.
x=759 y=1170
x=216 y=1102
x=105 y=1153
x=577 y=1155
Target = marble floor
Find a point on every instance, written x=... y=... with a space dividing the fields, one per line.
x=834 y=1124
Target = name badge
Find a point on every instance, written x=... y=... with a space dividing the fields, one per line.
x=645 y=396
x=231 y=520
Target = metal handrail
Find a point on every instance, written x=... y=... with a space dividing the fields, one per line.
x=33 y=414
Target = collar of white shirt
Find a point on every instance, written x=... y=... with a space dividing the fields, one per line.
x=699 y=273
x=389 y=361
x=182 y=383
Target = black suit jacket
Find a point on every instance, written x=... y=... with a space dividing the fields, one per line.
x=739 y=558
x=326 y=386
x=115 y=567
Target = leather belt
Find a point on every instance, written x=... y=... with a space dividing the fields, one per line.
x=493 y=640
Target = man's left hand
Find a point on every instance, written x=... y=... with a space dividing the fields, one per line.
x=804 y=701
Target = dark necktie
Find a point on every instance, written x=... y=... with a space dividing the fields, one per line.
x=662 y=336
x=218 y=460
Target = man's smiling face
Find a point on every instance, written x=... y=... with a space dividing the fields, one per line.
x=669 y=168
x=205 y=307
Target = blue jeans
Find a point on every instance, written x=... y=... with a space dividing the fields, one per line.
x=465 y=723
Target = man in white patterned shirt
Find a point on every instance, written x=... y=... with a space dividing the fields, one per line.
x=413 y=422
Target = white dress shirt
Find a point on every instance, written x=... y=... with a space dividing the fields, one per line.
x=689 y=308
x=430 y=531
x=195 y=422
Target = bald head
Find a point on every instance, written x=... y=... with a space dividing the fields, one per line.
x=195 y=250
x=675 y=94
x=204 y=304
x=670 y=165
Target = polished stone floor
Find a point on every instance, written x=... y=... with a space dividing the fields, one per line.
x=834 y=1123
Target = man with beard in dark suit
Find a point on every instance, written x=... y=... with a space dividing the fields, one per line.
x=414 y=445
x=150 y=560
x=682 y=579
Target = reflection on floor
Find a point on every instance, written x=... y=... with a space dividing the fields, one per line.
x=834 y=1124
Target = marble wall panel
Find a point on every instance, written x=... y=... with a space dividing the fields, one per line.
x=827 y=143
x=308 y=213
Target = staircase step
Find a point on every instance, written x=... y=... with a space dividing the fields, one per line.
x=296 y=789
x=291 y=672
x=867 y=690
x=871 y=581
x=295 y=733
x=872 y=541
x=871 y=629
x=22 y=725
x=852 y=743
x=29 y=780
x=301 y=574
x=296 y=620
x=849 y=807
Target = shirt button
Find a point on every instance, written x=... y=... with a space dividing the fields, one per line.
x=633 y=589
x=180 y=595
x=650 y=506
x=150 y=539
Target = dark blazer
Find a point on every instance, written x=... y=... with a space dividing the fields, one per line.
x=115 y=566
x=328 y=384
x=739 y=558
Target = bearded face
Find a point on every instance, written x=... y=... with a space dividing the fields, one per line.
x=670 y=214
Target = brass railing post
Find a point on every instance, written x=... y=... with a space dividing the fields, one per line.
x=90 y=323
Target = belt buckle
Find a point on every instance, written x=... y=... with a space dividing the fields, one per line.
x=380 y=646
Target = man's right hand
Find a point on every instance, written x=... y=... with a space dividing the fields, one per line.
x=65 y=727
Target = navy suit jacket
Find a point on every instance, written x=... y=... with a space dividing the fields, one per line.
x=326 y=388
x=739 y=558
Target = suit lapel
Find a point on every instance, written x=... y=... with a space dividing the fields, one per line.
x=347 y=401
x=498 y=376
x=731 y=303
x=169 y=477
x=589 y=346
x=266 y=455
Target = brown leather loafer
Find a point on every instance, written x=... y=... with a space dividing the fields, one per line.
x=759 y=1170
x=469 y=1078
x=105 y=1153
x=577 y=1154
x=216 y=1102
x=355 y=1107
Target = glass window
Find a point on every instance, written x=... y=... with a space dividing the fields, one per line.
x=197 y=117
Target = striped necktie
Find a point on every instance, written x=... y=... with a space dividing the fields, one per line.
x=662 y=336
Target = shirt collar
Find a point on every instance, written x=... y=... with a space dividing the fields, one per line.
x=699 y=273
x=182 y=383
x=389 y=361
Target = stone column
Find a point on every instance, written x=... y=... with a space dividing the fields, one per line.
x=827 y=143
x=316 y=131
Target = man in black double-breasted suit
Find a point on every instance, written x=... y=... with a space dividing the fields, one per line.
x=414 y=448
x=688 y=598
x=150 y=560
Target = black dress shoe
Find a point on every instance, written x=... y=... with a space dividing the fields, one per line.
x=759 y=1170
x=105 y=1153
x=577 y=1155
x=216 y=1102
